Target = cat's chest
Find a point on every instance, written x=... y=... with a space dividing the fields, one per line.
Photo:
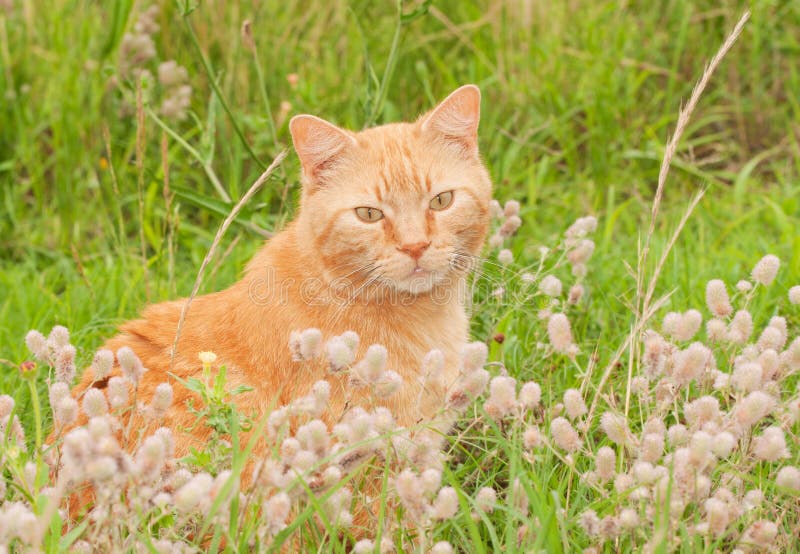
x=409 y=340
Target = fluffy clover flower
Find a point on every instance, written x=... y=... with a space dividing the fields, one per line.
x=431 y=481
x=505 y=256
x=677 y=435
x=468 y=387
x=364 y=546
x=57 y=391
x=314 y=436
x=58 y=337
x=509 y=226
x=589 y=522
x=340 y=355
x=716 y=330
x=19 y=522
x=652 y=447
x=628 y=519
x=791 y=356
x=193 y=494
x=689 y=364
x=723 y=444
x=794 y=294
x=744 y=286
x=654 y=358
x=442 y=547
x=615 y=427
x=446 y=504
x=410 y=492
x=530 y=395
x=564 y=436
x=532 y=437
x=717 y=298
x=305 y=345
x=770 y=445
x=770 y=361
x=389 y=384
x=117 y=392
x=6 y=406
x=511 y=208
x=502 y=397
x=753 y=408
x=162 y=400
x=766 y=270
x=747 y=377
x=371 y=368
x=65 y=363
x=150 y=456
x=37 y=344
x=741 y=327
x=164 y=434
x=486 y=499
x=605 y=461
x=753 y=499
x=101 y=364
x=560 y=333
x=495 y=209
x=65 y=411
x=683 y=326
x=717 y=516
x=581 y=252
x=574 y=405
x=351 y=339
x=130 y=364
x=474 y=356
x=582 y=227
x=551 y=286
x=788 y=477
x=431 y=374
x=576 y=292
x=171 y=74
x=276 y=511
x=700 y=448
x=761 y=534
x=94 y=403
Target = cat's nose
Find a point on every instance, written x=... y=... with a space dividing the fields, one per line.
x=415 y=249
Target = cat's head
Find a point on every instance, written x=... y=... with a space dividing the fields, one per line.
x=404 y=205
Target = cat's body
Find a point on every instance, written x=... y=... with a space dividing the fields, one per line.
x=397 y=280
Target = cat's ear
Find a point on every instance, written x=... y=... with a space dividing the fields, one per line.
x=456 y=118
x=317 y=142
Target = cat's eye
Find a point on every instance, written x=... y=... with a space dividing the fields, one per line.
x=370 y=215
x=442 y=200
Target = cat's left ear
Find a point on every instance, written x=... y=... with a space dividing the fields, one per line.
x=456 y=118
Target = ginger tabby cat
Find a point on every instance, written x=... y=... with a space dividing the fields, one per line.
x=390 y=219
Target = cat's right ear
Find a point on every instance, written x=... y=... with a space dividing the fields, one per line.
x=317 y=142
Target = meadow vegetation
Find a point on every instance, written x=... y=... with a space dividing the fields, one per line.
x=128 y=131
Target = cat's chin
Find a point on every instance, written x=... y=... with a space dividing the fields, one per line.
x=419 y=282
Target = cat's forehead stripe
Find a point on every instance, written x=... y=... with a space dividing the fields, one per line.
x=398 y=169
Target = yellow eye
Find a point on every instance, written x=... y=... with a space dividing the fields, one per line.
x=370 y=215
x=442 y=200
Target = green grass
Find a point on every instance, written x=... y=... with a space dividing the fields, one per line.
x=579 y=100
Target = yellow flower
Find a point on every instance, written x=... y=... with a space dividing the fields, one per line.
x=207 y=357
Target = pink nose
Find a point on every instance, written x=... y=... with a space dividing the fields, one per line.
x=414 y=250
